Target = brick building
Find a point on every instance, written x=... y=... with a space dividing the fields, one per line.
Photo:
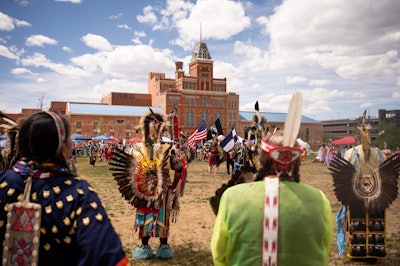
x=196 y=96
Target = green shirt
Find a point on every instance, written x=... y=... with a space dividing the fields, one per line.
x=305 y=226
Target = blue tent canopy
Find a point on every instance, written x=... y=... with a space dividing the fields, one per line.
x=102 y=137
x=75 y=137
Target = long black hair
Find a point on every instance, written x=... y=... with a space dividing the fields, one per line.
x=38 y=139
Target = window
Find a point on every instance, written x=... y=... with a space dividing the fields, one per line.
x=189 y=101
x=218 y=103
x=189 y=119
x=173 y=101
x=78 y=124
x=204 y=115
x=190 y=86
x=204 y=102
x=219 y=115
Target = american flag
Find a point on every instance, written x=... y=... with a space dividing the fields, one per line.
x=198 y=134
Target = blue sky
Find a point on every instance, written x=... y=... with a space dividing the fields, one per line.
x=342 y=55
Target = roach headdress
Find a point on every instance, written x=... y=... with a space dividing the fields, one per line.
x=285 y=156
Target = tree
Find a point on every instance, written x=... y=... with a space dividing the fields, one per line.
x=389 y=133
x=40 y=100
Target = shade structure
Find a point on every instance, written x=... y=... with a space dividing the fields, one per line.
x=345 y=141
x=102 y=137
x=303 y=144
x=75 y=137
x=134 y=140
x=112 y=139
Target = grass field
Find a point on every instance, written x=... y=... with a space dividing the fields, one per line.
x=190 y=236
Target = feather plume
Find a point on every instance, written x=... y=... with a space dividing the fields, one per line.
x=257 y=118
x=293 y=120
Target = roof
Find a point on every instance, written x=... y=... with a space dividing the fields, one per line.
x=105 y=109
x=124 y=110
x=200 y=52
x=273 y=117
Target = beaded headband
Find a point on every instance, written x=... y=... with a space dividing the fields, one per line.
x=282 y=155
x=60 y=128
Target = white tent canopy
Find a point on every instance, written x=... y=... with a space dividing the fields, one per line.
x=303 y=144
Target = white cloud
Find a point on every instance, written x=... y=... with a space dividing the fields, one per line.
x=70 y=1
x=396 y=95
x=148 y=16
x=117 y=16
x=97 y=42
x=8 y=23
x=21 y=71
x=41 y=80
x=67 y=49
x=6 y=52
x=295 y=79
x=140 y=34
x=359 y=94
x=40 y=40
x=40 y=60
x=120 y=85
x=131 y=62
x=187 y=17
x=319 y=82
x=124 y=26
x=208 y=13
x=336 y=34
x=366 y=105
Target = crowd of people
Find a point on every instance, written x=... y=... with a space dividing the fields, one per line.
x=261 y=212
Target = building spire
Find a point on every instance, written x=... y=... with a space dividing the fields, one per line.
x=201 y=37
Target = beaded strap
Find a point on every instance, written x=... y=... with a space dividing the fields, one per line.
x=271 y=221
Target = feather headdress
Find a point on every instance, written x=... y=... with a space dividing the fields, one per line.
x=293 y=120
x=284 y=156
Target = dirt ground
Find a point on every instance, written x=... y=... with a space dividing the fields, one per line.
x=190 y=237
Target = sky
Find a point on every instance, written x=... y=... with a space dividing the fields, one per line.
x=343 y=56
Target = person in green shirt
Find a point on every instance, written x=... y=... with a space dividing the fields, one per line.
x=304 y=225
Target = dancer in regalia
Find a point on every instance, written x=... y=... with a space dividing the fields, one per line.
x=275 y=220
x=249 y=157
x=145 y=182
x=366 y=183
x=48 y=215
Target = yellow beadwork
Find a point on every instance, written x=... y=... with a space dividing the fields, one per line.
x=86 y=221
x=46 y=194
x=10 y=192
x=93 y=205
x=3 y=184
x=60 y=204
x=69 y=198
x=67 y=221
x=57 y=190
x=99 y=217
x=48 y=209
